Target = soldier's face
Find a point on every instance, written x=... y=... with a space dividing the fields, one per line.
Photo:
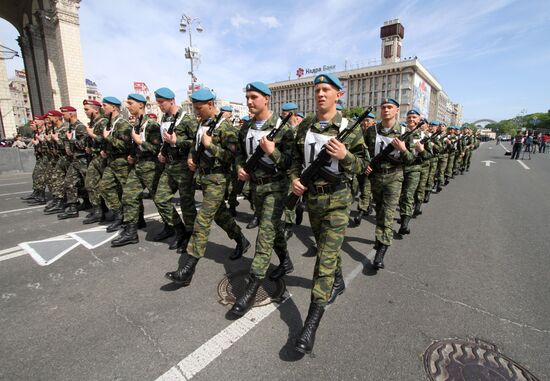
x=164 y=104
x=66 y=116
x=203 y=109
x=412 y=120
x=389 y=111
x=326 y=97
x=133 y=106
x=227 y=114
x=256 y=102
x=108 y=108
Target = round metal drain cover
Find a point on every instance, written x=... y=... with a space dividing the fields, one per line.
x=464 y=360
x=233 y=285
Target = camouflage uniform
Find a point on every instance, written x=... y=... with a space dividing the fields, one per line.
x=328 y=203
x=365 y=198
x=213 y=170
x=425 y=171
x=97 y=164
x=118 y=145
x=452 y=156
x=61 y=164
x=76 y=173
x=176 y=175
x=39 y=173
x=270 y=182
x=386 y=183
x=442 y=159
x=145 y=173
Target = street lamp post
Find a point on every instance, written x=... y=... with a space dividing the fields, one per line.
x=191 y=53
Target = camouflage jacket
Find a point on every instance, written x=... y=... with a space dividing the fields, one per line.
x=119 y=141
x=150 y=136
x=419 y=157
x=77 y=142
x=222 y=151
x=185 y=131
x=405 y=158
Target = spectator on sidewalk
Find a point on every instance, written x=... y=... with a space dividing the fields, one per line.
x=18 y=143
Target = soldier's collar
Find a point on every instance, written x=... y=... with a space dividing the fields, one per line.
x=269 y=122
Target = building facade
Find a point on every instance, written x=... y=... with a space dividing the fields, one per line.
x=20 y=100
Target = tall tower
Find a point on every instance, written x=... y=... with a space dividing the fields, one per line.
x=391 y=35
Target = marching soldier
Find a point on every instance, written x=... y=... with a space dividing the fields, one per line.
x=425 y=172
x=176 y=176
x=443 y=158
x=116 y=146
x=75 y=147
x=97 y=164
x=270 y=181
x=231 y=194
x=386 y=181
x=328 y=197
x=38 y=195
x=411 y=172
x=364 y=205
x=211 y=157
x=146 y=171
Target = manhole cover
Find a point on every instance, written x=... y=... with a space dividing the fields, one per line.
x=463 y=360
x=233 y=285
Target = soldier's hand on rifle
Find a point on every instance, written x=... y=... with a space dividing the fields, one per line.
x=136 y=137
x=399 y=145
x=419 y=147
x=103 y=154
x=336 y=149
x=68 y=152
x=88 y=150
x=161 y=158
x=243 y=176
x=206 y=140
x=267 y=145
x=131 y=160
x=106 y=132
x=90 y=132
x=191 y=164
x=69 y=135
x=298 y=188
x=170 y=138
x=368 y=170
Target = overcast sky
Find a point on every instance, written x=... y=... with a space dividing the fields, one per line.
x=493 y=57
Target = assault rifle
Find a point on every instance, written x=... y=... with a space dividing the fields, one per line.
x=211 y=123
x=108 y=127
x=383 y=155
x=310 y=173
x=166 y=146
x=88 y=138
x=256 y=157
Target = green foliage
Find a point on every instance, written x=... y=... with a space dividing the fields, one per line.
x=351 y=112
x=25 y=130
x=511 y=126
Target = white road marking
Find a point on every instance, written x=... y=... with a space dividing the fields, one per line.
x=523 y=165
x=5 y=185
x=9 y=194
x=13 y=255
x=200 y=358
x=506 y=149
x=22 y=209
x=488 y=162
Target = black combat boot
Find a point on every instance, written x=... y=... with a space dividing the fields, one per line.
x=50 y=204
x=246 y=300
x=183 y=275
x=417 y=209
x=179 y=228
x=378 y=262
x=438 y=187
x=253 y=223
x=95 y=216
x=85 y=204
x=288 y=231
x=70 y=212
x=338 y=286
x=127 y=237
x=304 y=343
x=30 y=197
x=446 y=181
x=300 y=212
x=57 y=207
x=141 y=224
x=427 y=197
x=39 y=199
x=167 y=232
x=242 y=246
x=404 y=229
x=285 y=265
x=358 y=218
x=116 y=225
x=185 y=241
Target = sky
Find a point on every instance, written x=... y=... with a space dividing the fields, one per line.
x=493 y=57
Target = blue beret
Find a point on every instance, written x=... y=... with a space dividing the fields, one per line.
x=203 y=95
x=389 y=100
x=245 y=118
x=301 y=115
x=403 y=124
x=413 y=112
x=370 y=115
x=259 y=87
x=434 y=123
x=112 y=100
x=137 y=97
x=226 y=108
x=339 y=107
x=329 y=78
x=165 y=92
x=289 y=106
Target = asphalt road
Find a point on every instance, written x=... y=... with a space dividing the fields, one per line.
x=475 y=266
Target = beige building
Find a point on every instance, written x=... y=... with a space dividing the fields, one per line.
x=406 y=80
x=456 y=118
x=20 y=100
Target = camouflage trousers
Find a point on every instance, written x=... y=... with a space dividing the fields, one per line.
x=411 y=179
x=58 y=177
x=441 y=167
x=431 y=174
x=39 y=174
x=112 y=182
x=231 y=194
x=145 y=174
x=467 y=158
x=450 y=164
x=329 y=216
x=213 y=210
x=289 y=215
x=76 y=175
x=269 y=204
x=93 y=177
x=176 y=177
x=49 y=168
x=422 y=183
x=365 y=195
x=386 y=189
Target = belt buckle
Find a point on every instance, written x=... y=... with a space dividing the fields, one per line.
x=259 y=181
x=320 y=189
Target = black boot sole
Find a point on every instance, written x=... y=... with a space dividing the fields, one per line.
x=178 y=282
x=302 y=350
x=130 y=242
x=59 y=217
